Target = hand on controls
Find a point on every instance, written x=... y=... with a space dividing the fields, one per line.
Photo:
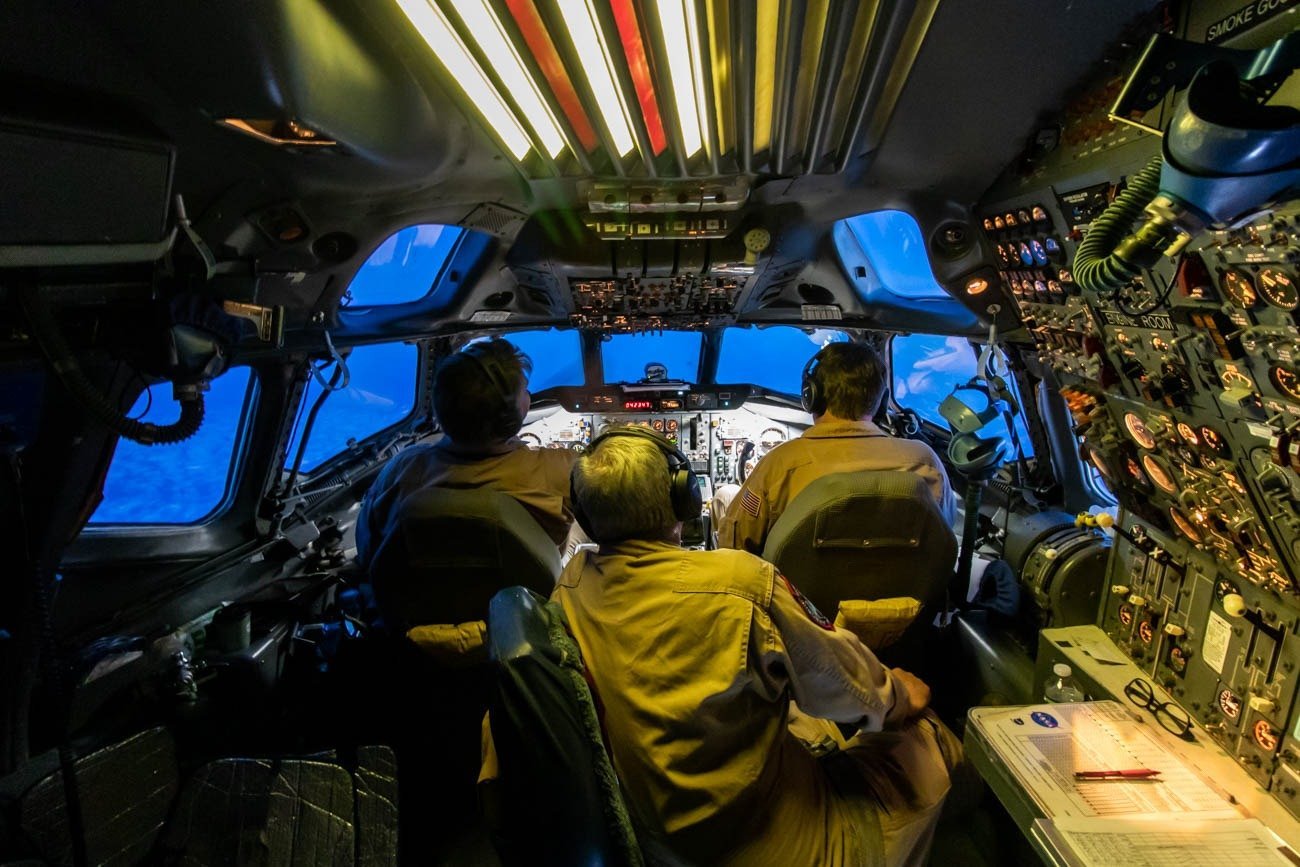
x=910 y=692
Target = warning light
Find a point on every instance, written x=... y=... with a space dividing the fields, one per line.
x=977 y=286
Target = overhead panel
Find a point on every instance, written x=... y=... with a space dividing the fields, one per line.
x=666 y=90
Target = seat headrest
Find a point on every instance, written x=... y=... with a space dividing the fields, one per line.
x=445 y=553
x=867 y=510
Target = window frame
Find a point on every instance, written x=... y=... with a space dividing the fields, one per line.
x=420 y=404
x=248 y=410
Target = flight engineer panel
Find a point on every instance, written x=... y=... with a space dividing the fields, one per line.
x=1184 y=387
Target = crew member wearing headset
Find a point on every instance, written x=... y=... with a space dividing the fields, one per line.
x=480 y=395
x=695 y=657
x=843 y=385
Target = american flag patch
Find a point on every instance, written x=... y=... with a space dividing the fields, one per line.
x=750 y=502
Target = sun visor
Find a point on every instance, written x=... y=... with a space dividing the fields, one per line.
x=87 y=199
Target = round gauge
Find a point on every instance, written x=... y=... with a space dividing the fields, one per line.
x=988 y=224
x=1137 y=429
x=532 y=440
x=999 y=223
x=1188 y=433
x=771 y=438
x=1135 y=472
x=1040 y=214
x=1009 y=219
x=1239 y=288
x=1126 y=614
x=1146 y=631
x=1214 y=441
x=1230 y=704
x=1160 y=474
x=1102 y=467
x=578 y=447
x=1285 y=381
x=1184 y=524
x=1022 y=215
x=1265 y=735
x=1279 y=289
x=1177 y=659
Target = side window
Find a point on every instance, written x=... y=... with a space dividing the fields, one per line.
x=182 y=483
x=927 y=367
x=380 y=393
x=405 y=267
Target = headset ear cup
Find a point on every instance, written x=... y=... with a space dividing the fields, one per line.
x=810 y=392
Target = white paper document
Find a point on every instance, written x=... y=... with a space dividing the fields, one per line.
x=1164 y=842
x=1043 y=745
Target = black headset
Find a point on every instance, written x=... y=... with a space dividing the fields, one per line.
x=507 y=419
x=810 y=389
x=683 y=487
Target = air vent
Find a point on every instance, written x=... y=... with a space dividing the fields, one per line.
x=495 y=220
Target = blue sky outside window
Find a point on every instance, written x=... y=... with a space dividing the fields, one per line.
x=626 y=355
x=404 y=267
x=182 y=483
x=927 y=367
x=773 y=357
x=892 y=242
x=381 y=393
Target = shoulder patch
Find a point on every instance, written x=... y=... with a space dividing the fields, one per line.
x=808 y=608
x=751 y=502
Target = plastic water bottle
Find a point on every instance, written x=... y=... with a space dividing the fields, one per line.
x=1062 y=686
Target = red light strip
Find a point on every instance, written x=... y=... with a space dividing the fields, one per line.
x=634 y=50
x=543 y=49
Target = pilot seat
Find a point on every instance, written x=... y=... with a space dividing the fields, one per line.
x=447 y=552
x=872 y=547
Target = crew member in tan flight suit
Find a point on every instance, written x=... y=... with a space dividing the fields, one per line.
x=480 y=395
x=695 y=657
x=843 y=385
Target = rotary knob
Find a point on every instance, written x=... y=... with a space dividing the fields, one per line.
x=1234 y=605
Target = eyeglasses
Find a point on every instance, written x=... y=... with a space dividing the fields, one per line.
x=1171 y=717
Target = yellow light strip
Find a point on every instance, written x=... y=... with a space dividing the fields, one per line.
x=680 y=30
x=719 y=25
x=769 y=16
x=487 y=31
x=434 y=28
x=580 y=19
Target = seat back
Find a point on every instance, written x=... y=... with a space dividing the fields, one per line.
x=866 y=535
x=449 y=551
x=560 y=798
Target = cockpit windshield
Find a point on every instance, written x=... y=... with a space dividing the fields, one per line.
x=772 y=358
x=639 y=357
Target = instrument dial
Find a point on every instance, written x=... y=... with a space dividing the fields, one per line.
x=1265 y=735
x=771 y=438
x=1137 y=429
x=1279 y=289
x=532 y=440
x=1285 y=381
x=1184 y=525
x=1240 y=288
x=1214 y=441
x=1188 y=433
x=1160 y=474
x=1229 y=704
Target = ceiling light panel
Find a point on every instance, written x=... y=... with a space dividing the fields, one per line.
x=581 y=22
x=437 y=31
x=486 y=30
x=681 y=35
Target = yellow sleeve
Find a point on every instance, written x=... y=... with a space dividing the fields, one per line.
x=746 y=523
x=832 y=674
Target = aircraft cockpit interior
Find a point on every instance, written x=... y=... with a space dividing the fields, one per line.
x=621 y=432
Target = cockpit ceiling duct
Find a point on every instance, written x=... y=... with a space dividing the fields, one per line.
x=677 y=88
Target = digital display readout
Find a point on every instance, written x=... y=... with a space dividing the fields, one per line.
x=638 y=405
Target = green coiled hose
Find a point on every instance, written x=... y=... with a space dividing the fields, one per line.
x=1098 y=265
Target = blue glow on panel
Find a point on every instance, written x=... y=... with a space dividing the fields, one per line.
x=381 y=393
x=771 y=358
x=556 y=356
x=892 y=242
x=626 y=355
x=404 y=267
x=927 y=367
x=182 y=483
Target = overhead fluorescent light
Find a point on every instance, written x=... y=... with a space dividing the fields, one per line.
x=681 y=33
x=487 y=31
x=769 y=16
x=434 y=28
x=598 y=66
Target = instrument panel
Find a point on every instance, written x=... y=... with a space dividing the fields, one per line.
x=1184 y=388
x=723 y=445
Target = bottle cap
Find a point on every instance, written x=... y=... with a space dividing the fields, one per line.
x=1062 y=670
